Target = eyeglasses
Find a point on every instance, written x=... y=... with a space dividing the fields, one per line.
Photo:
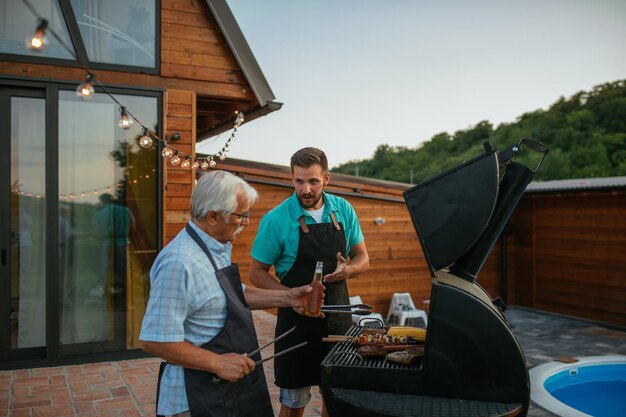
x=243 y=216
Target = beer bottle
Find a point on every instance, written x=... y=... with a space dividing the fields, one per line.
x=313 y=303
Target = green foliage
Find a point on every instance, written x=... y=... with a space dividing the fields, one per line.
x=586 y=135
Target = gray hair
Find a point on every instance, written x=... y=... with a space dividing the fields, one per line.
x=217 y=191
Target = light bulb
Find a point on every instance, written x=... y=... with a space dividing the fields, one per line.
x=186 y=162
x=167 y=152
x=175 y=160
x=222 y=156
x=39 y=40
x=125 y=121
x=212 y=163
x=204 y=165
x=86 y=90
x=145 y=141
x=239 y=120
x=195 y=164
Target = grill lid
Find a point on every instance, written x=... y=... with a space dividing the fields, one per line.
x=450 y=211
x=459 y=215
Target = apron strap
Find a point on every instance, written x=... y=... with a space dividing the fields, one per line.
x=303 y=225
x=334 y=219
x=162 y=366
x=202 y=245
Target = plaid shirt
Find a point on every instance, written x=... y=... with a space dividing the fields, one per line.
x=186 y=303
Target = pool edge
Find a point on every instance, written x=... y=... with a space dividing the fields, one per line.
x=538 y=375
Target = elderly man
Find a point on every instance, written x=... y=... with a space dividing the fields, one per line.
x=198 y=316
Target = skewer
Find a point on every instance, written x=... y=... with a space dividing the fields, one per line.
x=337 y=338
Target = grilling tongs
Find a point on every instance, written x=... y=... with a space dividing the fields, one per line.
x=356 y=309
x=217 y=380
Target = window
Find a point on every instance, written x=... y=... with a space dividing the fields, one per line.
x=118 y=31
x=113 y=32
x=17 y=22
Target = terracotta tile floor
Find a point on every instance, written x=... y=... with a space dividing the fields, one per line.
x=108 y=389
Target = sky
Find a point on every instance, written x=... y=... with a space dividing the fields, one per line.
x=355 y=74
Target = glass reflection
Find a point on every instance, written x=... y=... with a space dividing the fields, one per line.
x=110 y=219
x=17 y=22
x=28 y=275
x=118 y=31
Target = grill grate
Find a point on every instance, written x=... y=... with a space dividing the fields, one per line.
x=344 y=354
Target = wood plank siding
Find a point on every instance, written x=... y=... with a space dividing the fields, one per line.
x=192 y=49
x=571 y=254
x=177 y=181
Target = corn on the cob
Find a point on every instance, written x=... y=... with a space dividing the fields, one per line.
x=408 y=331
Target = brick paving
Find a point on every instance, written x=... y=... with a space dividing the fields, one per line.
x=127 y=388
x=109 y=389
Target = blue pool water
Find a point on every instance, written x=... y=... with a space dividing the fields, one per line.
x=598 y=390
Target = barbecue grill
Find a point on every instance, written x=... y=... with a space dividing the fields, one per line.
x=472 y=364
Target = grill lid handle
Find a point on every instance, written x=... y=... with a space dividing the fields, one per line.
x=507 y=155
x=535 y=146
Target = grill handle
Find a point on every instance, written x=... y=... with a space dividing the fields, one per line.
x=535 y=146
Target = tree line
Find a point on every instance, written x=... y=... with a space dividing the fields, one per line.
x=586 y=134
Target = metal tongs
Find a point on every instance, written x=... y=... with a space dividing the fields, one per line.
x=356 y=309
x=217 y=380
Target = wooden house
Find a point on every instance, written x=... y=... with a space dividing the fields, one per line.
x=75 y=289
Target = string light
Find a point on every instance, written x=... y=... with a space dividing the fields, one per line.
x=167 y=152
x=39 y=40
x=86 y=90
x=175 y=159
x=125 y=121
x=239 y=120
x=145 y=141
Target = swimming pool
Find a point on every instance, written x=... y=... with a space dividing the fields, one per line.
x=593 y=386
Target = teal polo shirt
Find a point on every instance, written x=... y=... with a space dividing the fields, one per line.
x=277 y=241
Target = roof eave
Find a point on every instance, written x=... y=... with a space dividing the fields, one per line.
x=249 y=115
x=241 y=50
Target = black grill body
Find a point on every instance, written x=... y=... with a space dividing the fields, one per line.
x=472 y=364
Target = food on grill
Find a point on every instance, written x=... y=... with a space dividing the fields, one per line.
x=416 y=333
x=378 y=339
x=395 y=335
x=374 y=330
x=405 y=357
x=393 y=348
x=372 y=351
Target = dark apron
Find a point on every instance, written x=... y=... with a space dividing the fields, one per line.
x=301 y=368
x=248 y=397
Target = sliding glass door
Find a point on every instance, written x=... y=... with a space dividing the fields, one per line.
x=23 y=223
x=78 y=223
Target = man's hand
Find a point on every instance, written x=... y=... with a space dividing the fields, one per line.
x=296 y=297
x=233 y=366
x=342 y=271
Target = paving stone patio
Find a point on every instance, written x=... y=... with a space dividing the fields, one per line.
x=127 y=388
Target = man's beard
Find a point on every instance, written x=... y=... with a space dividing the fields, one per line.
x=309 y=206
x=239 y=230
